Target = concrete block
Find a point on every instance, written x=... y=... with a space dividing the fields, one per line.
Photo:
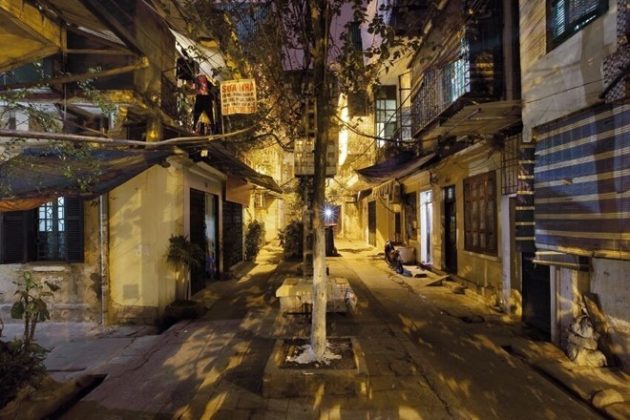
x=295 y=295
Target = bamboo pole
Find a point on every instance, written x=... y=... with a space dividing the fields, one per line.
x=76 y=138
x=142 y=63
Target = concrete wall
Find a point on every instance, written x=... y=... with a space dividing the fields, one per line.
x=609 y=281
x=352 y=226
x=566 y=289
x=79 y=296
x=144 y=213
x=384 y=223
x=567 y=78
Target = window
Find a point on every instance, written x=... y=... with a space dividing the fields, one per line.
x=509 y=163
x=480 y=218
x=51 y=232
x=354 y=33
x=456 y=77
x=567 y=17
x=385 y=113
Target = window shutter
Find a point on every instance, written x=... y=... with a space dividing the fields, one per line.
x=74 y=229
x=13 y=237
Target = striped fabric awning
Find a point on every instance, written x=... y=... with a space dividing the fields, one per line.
x=582 y=183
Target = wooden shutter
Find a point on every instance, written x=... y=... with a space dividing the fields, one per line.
x=74 y=229
x=13 y=237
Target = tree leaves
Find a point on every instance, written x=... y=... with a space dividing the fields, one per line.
x=17 y=310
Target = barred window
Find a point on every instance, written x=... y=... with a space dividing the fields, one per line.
x=567 y=17
x=480 y=216
x=509 y=164
x=385 y=111
x=51 y=232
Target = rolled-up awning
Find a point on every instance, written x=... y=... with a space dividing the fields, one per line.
x=395 y=168
x=38 y=175
x=559 y=259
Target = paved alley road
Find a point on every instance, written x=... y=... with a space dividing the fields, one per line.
x=456 y=348
x=424 y=361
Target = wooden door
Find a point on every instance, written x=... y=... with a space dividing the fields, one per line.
x=450 y=230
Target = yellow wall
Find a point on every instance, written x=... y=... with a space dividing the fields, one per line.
x=384 y=223
x=144 y=213
x=480 y=269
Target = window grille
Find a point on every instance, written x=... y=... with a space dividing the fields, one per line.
x=456 y=77
x=509 y=164
x=51 y=232
x=570 y=16
x=386 y=110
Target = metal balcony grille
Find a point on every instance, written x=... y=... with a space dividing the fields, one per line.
x=509 y=164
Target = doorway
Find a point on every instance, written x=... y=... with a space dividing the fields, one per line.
x=426 y=223
x=204 y=228
x=450 y=230
x=198 y=237
x=536 y=294
x=212 y=236
x=372 y=223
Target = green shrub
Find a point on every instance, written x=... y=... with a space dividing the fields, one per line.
x=22 y=360
x=253 y=239
x=20 y=365
x=184 y=254
x=291 y=239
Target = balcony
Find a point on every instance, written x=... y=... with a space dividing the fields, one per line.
x=464 y=95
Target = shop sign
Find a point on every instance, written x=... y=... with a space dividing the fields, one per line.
x=238 y=97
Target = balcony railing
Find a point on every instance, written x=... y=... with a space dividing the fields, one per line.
x=439 y=89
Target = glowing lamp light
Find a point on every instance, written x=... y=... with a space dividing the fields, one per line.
x=328 y=212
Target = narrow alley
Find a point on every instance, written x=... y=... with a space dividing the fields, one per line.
x=424 y=359
x=327 y=209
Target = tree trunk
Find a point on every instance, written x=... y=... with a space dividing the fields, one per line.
x=319 y=16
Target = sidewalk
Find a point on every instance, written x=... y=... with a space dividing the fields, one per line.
x=605 y=389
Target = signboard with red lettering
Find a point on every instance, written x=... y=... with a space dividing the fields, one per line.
x=238 y=97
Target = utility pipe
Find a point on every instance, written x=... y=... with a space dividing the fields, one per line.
x=104 y=255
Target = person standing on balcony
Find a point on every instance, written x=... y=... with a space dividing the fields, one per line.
x=203 y=112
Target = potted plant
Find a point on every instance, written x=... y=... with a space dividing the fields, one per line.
x=183 y=255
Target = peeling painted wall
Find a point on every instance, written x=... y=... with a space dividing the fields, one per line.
x=79 y=296
x=609 y=281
